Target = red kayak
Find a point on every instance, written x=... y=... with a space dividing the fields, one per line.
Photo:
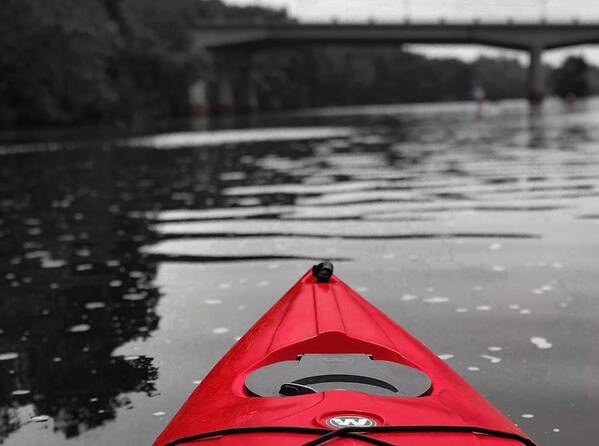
x=325 y=366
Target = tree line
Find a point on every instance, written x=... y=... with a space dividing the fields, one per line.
x=66 y=62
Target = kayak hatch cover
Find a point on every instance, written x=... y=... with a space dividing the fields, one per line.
x=323 y=365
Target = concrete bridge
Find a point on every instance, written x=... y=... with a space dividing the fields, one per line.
x=232 y=46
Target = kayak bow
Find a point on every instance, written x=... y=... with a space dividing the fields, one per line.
x=324 y=365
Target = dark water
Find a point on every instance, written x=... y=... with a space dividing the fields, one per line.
x=128 y=268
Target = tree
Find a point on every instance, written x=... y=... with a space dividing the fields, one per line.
x=572 y=78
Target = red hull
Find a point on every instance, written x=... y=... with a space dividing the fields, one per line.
x=331 y=318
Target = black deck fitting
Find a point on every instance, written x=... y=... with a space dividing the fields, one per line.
x=323 y=272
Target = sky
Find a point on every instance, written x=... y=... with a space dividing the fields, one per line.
x=449 y=10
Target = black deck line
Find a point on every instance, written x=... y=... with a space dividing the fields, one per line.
x=353 y=432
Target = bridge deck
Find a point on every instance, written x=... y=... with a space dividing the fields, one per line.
x=520 y=36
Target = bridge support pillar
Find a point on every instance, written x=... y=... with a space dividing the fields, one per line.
x=536 y=76
x=235 y=85
x=224 y=98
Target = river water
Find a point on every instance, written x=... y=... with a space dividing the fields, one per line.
x=128 y=267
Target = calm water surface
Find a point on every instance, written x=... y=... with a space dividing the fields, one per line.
x=128 y=268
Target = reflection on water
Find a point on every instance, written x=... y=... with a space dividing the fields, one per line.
x=74 y=286
x=128 y=270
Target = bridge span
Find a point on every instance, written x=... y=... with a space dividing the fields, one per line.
x=233 y=45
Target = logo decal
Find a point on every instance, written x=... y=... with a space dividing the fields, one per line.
x=350 y=421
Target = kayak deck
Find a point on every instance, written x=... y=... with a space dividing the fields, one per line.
x=391 y=384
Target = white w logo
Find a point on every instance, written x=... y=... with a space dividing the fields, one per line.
x=349 y=421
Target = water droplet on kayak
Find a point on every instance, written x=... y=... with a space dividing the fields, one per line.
x=495 y=348
x=159 y=414
x=555 y=429
x=446 y=356
x=436 y=299
x=220 y=330
x=40 y=418
x=8 y=356
x=527 y=415
x=131 y=358
x=80 y=328
x=541 y=343
x=483 y=307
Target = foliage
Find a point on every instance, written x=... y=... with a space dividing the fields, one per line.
x=572 y=78
x=511 y=83
x=341 y=76
x=73 y=61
